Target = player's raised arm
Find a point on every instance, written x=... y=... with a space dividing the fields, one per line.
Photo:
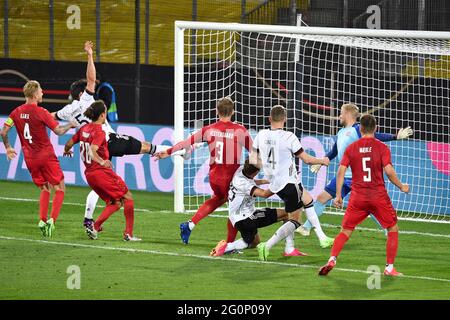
x=197 y=137
x=10 y=152
x=90 y=70
x=308 y=159
x=338 y=201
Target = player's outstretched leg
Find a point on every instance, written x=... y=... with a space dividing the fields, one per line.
x=57 y=202
x=319 y=207
x=338 y=245
x=128 y=211
x=107 y=212
x=44 y=201
x=91 y=203
x=391 y=252
x=285 y=230
x=325 y=242
x=205 y=209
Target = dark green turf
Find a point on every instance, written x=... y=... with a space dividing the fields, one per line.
x=37 y=270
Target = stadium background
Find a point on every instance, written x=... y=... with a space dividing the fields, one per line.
x=45 y=43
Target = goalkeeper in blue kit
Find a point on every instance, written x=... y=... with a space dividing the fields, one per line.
x=346 y=136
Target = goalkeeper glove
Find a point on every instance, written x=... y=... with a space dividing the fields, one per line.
x=315 y=168
x=404 y=133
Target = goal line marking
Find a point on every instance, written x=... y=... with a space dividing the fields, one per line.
x=188 y=255
x=327 y=225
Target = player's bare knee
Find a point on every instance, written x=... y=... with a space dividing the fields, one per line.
x=306 y=197
x=128 y=196
x=393 y=228
x=145 y=147
x=281 y=214
x=255 y=242
x=324 y=197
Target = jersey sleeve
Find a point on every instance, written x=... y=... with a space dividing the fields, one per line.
x=386 y=157
x=76 y=137
x=296 y=146
x=244 y=138
x=197 y=137
x=48 y=120
x=98 y=138
x=385 y=136
x=9 y=122
x=346 y=158
x=86 y=99
x=66 y=113
x=333 y=152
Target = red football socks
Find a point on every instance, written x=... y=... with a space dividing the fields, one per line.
x=338 y=244
x=107 y=212
x=391 y=247
x=128 y=211
x=58 y=199
x=208 y=207
x=44 y=201
x=231 y=232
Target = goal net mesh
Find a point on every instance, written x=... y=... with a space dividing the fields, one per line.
x=402 y=82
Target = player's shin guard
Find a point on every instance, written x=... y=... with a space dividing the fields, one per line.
x=312 y=217
x=391 y=247
x=231 y=232
x=107 y=212
x=91 y=203
x=319 y=207
x=128 y=211
x=58 y=199
x=208 y=207
x=338 y=244
x=286 y=229
x=44 y=201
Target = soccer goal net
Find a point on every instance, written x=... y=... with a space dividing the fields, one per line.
x=401 y=77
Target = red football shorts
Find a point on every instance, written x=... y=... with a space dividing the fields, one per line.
x=358 y=210
x=107 y=184
x=220 y=179
x=45 y=170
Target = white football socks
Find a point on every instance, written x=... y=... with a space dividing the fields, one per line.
x=236 y=245
x=290 y=244
x=191 y=225
x=91 y=203
x=389 y=267
x=314 y=220
x=285 y=230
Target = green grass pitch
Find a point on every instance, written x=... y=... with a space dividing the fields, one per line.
x=161 y=267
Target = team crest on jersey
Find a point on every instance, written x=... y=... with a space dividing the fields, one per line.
x=86 y=135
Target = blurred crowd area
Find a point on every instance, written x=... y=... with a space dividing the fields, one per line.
x=55 y=30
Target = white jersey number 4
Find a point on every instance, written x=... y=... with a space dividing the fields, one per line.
x=26 y=133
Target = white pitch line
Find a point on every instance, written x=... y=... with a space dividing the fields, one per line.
x=188 y=255
x=226 y=216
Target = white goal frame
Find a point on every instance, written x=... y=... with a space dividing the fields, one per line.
x=181 y=26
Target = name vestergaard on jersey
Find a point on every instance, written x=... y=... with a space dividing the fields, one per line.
x=220 y=134
x=365 y=150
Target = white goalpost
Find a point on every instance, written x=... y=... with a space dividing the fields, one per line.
x=401 y=77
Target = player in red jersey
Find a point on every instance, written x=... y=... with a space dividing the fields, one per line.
x=99 y=174
x=367 y=158
x=31 y=123
x=225 y=141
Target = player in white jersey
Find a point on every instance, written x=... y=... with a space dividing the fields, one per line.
x=277 y=150
x=243 y=215
x=82 y=93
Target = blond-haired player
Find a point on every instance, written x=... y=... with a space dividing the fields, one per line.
x=347 y=135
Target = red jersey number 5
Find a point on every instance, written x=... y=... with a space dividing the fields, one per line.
x=368 y=177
